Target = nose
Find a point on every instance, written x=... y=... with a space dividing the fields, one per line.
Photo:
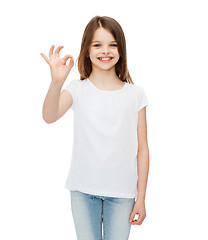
x=105 y=50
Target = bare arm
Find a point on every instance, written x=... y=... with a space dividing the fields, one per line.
x=51 y=103
x=56 y=103
x=143 y=154
x=142 y=170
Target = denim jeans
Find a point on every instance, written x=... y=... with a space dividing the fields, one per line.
x=92 y=214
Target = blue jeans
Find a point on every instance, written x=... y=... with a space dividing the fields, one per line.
x=90 y=211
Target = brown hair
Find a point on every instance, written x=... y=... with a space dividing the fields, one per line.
x=110 y=24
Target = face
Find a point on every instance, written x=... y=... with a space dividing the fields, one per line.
x=103 y=51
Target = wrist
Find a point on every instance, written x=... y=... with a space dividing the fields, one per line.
x=139 y=197
x=56 y=84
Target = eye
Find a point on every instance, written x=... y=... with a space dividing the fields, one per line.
x=114 y=45
x=96 y=45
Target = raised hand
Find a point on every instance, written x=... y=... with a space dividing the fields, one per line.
x=58 y=67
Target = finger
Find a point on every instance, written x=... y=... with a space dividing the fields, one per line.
x=140 y=220
x=71 y=63
x=51 y=52
x=132 y=216
x=66 y=57
x=58 y=50
x=46 y=59
x=135 y=222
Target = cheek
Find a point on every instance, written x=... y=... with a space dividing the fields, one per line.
x=93 y=53
x=116 y=52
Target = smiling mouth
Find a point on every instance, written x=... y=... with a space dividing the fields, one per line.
x=105 y=59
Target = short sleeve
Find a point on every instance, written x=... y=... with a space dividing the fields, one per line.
x=74 y=87
x=142 y=100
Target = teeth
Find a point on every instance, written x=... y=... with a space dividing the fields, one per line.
x=104 y=59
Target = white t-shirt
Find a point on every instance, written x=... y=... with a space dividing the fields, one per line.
x=105 y=143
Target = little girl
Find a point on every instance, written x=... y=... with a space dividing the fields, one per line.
x=110 y=156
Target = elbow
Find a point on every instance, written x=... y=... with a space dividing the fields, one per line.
x=47 y=120
x=143 y=148
x=143 y=153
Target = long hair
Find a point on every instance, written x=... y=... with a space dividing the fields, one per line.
x=110 y=24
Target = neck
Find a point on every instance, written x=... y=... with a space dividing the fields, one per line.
x=104 y=77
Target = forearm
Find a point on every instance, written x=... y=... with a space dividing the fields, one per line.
x=51 y=103
x=142 y=171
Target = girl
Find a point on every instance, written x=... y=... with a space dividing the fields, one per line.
x=110 y=158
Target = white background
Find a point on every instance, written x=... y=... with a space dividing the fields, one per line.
x=167 y=54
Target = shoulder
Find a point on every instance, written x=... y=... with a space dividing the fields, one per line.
x=74 y=86
x=137 y=91
x=75 y=82
x=136 y=88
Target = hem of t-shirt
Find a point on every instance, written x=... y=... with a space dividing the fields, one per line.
x=144 y=105
x=100 y=193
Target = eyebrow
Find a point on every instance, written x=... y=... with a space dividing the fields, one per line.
x=100 y=41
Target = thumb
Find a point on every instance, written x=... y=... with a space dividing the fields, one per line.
x=66 y=57
x=131 y=216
